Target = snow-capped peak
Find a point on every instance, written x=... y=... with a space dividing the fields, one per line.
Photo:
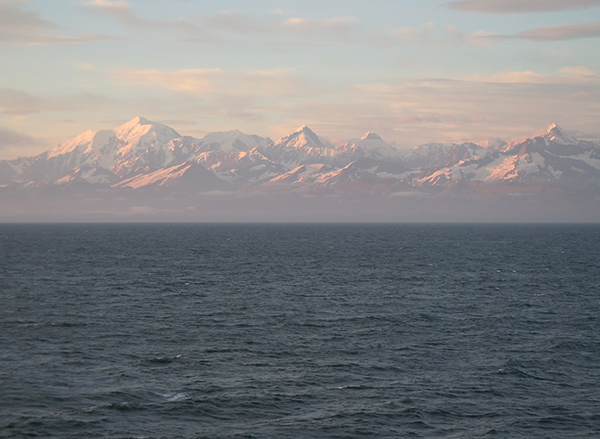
x=92 y=139
x=370 y=135
x=556 y=134
x=303 y=137
x=492 y=143
x=232 y=141
x=132 y=125
x=304 y=129
x=140 y=130
x=141 y=121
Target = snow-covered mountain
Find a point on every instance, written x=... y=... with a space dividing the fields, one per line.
x=553 y=159
x=235 y=141
x=105 y=156
x=301 y=147
x=143 y=154
x=240 y=168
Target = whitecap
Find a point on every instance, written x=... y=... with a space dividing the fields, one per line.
x=174 y=397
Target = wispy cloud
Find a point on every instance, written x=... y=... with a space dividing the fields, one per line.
x=121 y=11
x=520 y=6
x=212 y=82
x=580 y=71
x=11 y=139
x=279 y=29
x=109 y=4
x=470 y=107
x=568 y=76
x=229 y=21
x=329 y=26
x=547 y=34
x=564 y=32
x=429 y=34
x=71 y=39
x=282 y=29
x=20 y=103
x=19 y=25
x=525 y=77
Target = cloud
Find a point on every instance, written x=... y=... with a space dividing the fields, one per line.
x=18 y=25
x=499 y=105
x=330 y=26
x=237 y=23
x=564 y=32
x=10 y=139
x=429 y=34
x=520 y=6
x=72 y=39
x=580 y=71
x=427 y=119
x=20 y=103
x=277 y=30
x=215 y=82
x=466 y=108
x=121 y=11
x=115 y=5
x=570 y=76
x=526 y=77
x=222 y=95
x=275 y=27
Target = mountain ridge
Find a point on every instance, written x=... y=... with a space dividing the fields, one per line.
x=144 y=154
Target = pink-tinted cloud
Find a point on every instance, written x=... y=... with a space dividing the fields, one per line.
x=564 y=32
x=520 y=6
x=568 y=76
x=121 y=11
x=216 y=82
x=312 y=26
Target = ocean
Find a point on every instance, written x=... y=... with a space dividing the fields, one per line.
x=299 y=331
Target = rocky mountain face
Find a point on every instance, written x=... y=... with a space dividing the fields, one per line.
x=144 y=155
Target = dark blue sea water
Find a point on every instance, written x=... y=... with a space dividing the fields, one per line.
x=288 y=331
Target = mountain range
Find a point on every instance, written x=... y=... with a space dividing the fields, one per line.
x=141 y=154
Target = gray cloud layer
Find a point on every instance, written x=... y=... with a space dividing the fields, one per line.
x=10 y=138
x=19 y=103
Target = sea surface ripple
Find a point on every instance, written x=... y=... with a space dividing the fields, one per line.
x=287 y=331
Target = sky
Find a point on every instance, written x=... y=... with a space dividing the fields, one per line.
x=412 y=71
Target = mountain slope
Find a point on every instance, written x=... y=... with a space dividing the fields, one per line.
x=553 y=159
x=302 y=146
